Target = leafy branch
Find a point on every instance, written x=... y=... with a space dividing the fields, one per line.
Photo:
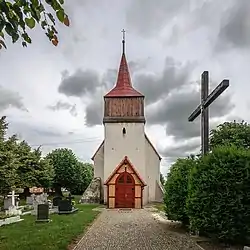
x=18 y=15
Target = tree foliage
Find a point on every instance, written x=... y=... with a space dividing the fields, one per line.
x=219 y=194
x=69 y=172
x=231 y=133
x=85 y=176
x=162 y=179
x=20 y=166
x=18 y=15
x=176 y=189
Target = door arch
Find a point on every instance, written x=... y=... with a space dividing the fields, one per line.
x=125 y=191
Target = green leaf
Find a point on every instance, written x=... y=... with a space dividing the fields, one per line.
x=15 y=37
x=35 y=2
x=43 y=24
x=2 y=34
x=30 y=22
x=2 y=42
x=9 y=30
x=26 y=37
x=61 y=1
x=60 y=15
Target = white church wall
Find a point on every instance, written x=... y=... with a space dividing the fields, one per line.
x=99 y=163
x=118 y=145
x=153 y=171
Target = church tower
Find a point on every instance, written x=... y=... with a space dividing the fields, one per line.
x=124 y=123
x=126 y=164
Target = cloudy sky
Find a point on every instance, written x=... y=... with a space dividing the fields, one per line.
x=52 y=96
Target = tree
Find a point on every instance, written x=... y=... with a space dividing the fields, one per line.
x=176 y=189
x=32 y=169
x=231 y=133
x=20 y=166
x=66 y=169
x=84 y=178
x=162 y=179
x=9 y=178
x=18 y=15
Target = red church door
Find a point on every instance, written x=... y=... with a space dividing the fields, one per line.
x=125 y=191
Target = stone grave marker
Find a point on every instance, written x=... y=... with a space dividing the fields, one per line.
x=10 y=200
x=42 y=213
x=37 y=200
x=56 y=201
x=65 y=207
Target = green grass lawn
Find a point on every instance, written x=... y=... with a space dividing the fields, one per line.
x=160 y=206
x=55 y=235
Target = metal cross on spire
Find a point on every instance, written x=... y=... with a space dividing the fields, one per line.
x=123 y=41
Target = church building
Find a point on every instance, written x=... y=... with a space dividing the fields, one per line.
x=126 y=162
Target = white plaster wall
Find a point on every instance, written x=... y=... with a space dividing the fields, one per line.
x=117 y=146
x=153 y=171
x=99 y=163
x=99 y=167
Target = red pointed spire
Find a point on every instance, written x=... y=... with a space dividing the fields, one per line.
x=123 y=85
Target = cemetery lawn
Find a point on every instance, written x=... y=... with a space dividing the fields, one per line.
x=55 y=235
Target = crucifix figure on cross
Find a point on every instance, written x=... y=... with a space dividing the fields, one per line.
x=203 y=108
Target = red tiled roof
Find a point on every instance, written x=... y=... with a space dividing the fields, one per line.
x=123 y=85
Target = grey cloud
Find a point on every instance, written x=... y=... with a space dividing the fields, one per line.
x=235 y=26
x=153 y=87
x=94 y=113
x=183 y=149
x=147 y=17
x=88 y=82
x=9 y=99
x=32 y=132
x=175 y=109
x=173 y=77
x=60 y=105
x=78 y=84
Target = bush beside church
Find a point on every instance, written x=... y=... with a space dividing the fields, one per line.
x=211 y=194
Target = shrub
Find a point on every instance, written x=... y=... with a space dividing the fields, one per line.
x=176 y=189
x=218 y=201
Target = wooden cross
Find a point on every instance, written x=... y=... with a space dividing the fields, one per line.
x=203 y=108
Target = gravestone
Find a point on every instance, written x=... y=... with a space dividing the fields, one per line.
x=56 y=201
x=29 y=200
x=13 y=210
x=70 y=198
x=42 y=213
x=11 y=200
x=65 y=207
x=37 y=200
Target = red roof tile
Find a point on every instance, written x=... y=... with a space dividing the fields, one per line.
x=123 y=85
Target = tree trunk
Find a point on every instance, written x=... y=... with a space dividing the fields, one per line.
x=58 y=190
x=26 y=193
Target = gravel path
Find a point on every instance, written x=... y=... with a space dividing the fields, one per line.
x=136 y=229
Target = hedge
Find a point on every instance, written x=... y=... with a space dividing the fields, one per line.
x=176 y=190
x=218 y=202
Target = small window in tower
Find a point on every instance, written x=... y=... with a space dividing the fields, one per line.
x=124 y=131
